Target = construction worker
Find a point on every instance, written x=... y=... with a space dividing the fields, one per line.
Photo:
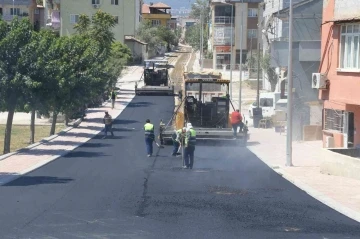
x=236 y=121
x=113 y=95
x=149 y=137
x=190 y=142
x=161 y=130
x=108 y=123
x=177 y=138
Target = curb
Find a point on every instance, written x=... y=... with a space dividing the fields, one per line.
x=43 y=141
x=312 y=192
x=9 y=178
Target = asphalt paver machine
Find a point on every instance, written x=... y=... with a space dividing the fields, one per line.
x=205 y=103
x=156 y=79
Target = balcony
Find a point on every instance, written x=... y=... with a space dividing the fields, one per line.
x=223 y=20
x=8 y=17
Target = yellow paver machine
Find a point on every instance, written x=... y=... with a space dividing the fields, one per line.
x=156 y=79
x=205 y=103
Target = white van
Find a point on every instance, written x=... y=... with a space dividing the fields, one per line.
x=267 y=102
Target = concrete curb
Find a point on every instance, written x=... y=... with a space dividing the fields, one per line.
x=43 y=141
x=312 y=192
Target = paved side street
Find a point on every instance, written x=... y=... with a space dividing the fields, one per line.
x=24 y=162
x=340 y=193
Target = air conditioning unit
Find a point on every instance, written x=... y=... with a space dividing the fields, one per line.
x=96 y=5
x=318 y=81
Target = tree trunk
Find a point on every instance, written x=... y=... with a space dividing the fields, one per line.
x=66 y=121
x=7 y=138
x=32 y=126
x=53 y=125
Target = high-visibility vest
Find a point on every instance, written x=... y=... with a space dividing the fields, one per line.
x=149 y=129
x=190 y=138
x=177 y=135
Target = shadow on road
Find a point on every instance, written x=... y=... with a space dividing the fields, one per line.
x=84 y=154
x=139 y=104
x=37 y=180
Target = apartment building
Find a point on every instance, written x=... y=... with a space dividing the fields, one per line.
x=226 y=18
x=52 y=14
x=338 y=83
x=126 y=12
x=157 y=13
x=20 y=8
x=307 y=16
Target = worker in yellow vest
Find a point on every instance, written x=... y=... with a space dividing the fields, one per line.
x=149 y=137
x=190 y=142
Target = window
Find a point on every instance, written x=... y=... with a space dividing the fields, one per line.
x=74 y=18
x=155 y=22
x=349 y=46
x=95 y=2
x=36 y=12
x=252 y=33
x=116 y=19
x=15 y=11
x=252 y=12
x=114 y=2
x=334 y=120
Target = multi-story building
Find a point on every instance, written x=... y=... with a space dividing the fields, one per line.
x=127 y=14
x=307 y=16
x=340 y=68
x=227 y=17
x=20 y=8
x=157 y=13
x=52 y=14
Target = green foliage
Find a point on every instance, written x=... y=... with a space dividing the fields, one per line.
x=193 y=36
x=156 y=36
x=42 y=71
x=200 y=7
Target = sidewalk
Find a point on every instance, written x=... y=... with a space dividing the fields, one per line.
x=41 y=154
x=339 y=193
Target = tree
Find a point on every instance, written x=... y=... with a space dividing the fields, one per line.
x=156 y=36
x=39 y=78
x=200 y=8
x=13 y=38
x=193 y=36
x=270 y=74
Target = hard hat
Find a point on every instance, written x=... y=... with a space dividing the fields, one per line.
x=189 y=125
x=184 y=128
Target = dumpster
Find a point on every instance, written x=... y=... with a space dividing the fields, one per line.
x=257 y=116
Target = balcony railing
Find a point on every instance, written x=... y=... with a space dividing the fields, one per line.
x=8 y=17
x=224 y=20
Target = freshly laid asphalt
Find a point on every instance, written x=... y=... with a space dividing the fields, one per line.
x=108 y=188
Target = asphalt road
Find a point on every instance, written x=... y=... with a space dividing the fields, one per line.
x=108 y=188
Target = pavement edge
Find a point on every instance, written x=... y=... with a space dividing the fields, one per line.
x=311 y=191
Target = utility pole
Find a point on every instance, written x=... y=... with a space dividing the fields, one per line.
x=202 y=41
x=290 y=92
x=240 y=66
x=258 y=77
x=231 y=49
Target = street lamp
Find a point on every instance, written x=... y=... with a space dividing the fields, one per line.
x=231 y=45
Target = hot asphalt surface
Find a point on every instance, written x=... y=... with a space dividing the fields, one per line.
x=108 y=188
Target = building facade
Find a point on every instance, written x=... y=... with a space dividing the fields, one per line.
x=226 y=21
x=157 y=13
x=126 y=12
x=52 y=14
x=340 y=68
x=20 y=8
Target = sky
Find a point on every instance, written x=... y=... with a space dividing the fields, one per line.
x=175 y=4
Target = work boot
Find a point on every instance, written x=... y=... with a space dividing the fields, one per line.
x=149 y=155
x=185 y=167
